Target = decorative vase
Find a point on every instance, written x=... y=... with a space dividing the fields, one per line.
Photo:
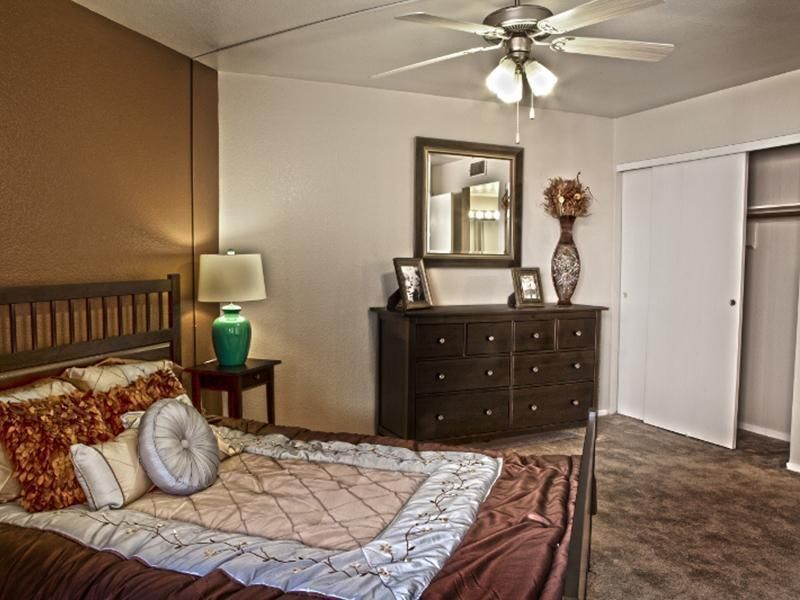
x=566 y=263
x=230 y=334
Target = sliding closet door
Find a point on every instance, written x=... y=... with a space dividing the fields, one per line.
x=637 y=190
x=694 y=313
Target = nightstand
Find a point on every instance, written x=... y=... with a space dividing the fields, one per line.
x=235 y=380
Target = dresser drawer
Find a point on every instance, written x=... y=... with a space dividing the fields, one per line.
x=454 y=415
x=461 y=374
x=488 y=338
x=530 y=336
x=551 y=404
x=575 y=333
x=532 y=369
x=440 y=340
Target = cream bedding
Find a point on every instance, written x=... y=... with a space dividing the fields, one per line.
x=334 y=518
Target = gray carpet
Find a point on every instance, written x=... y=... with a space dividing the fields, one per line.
x=679 y=518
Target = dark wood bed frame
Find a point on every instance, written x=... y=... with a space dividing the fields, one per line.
x=82 y=323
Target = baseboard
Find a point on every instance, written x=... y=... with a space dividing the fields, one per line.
x=765 y=431
x=793 y=467
x=602 y=413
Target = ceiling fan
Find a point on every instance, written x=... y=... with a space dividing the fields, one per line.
x=517 y=29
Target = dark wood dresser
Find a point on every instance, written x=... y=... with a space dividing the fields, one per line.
x=484 y=371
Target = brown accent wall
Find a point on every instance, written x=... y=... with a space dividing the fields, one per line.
x=99 y=133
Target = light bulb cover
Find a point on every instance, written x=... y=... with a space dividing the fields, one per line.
x=540 y=79
x=505 y=81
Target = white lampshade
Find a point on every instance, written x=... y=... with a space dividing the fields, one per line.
x=231 y=278
x=505 y=82
x=541 y=79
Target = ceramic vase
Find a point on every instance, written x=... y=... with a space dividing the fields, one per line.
x=566 y=263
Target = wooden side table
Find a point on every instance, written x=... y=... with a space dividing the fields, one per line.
x=235 y=380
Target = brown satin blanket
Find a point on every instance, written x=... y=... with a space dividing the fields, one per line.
x=517 y=547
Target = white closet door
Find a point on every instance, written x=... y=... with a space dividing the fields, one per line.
x=637 y=189
x=694 y=314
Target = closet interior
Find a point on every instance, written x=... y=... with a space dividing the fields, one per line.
x=772 y=280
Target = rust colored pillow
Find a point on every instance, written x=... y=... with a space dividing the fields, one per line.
x=38 y=435
x=138 y=395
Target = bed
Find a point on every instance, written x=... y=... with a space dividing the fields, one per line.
x=340 y=515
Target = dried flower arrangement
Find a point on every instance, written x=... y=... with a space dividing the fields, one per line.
x=567 y=197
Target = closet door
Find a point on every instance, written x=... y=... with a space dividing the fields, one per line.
x=637 y=190
x=694 y=312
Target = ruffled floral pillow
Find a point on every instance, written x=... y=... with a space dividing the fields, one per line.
x=137 y=396
x=38 y=435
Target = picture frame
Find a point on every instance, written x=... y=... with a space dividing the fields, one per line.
x=527 y=287
x=414 y=290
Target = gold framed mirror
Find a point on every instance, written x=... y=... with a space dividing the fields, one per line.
x=468 y=204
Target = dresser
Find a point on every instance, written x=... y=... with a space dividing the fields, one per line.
x=483 y=371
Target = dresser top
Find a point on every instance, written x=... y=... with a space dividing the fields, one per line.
x=486 y=309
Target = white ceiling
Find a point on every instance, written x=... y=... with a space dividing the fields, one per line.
x=720 y=43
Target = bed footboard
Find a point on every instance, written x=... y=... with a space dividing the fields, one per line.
x=585 y=507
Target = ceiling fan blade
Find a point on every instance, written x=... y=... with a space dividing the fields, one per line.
x=432 y=61
x=476 y=28
x=590 y=13
x=647 y=51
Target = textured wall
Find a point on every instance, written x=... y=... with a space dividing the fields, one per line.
x=753 y=111
x=95 y=159
x=318 y=178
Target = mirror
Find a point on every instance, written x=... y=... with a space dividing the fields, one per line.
x=468 y=204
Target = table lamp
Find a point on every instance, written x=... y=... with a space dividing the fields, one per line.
x=230 y=278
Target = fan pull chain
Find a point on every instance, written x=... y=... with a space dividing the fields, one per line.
x=517 y=139
x=532 y=114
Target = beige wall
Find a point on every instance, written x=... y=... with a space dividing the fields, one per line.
x=318 y=178
x=96 y=152
x=753 y=111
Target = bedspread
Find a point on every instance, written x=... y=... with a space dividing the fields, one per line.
x=337 y=515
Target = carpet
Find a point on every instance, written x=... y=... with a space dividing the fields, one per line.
x=680 y=518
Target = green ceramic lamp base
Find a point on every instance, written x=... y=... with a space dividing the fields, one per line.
x=231 y=336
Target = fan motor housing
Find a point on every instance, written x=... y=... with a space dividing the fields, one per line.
x=518 y=19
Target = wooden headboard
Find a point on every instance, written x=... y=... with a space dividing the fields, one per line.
x=50 y=326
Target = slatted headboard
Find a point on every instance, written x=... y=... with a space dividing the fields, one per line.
x=49 y=326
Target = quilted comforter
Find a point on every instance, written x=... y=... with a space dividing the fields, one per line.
x=300 y=514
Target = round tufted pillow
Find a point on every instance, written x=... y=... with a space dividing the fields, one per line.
x=177 y=448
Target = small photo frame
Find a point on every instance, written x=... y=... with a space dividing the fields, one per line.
x=527 y=287
x=415 y=293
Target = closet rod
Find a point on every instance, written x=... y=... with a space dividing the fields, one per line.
x=773 y=211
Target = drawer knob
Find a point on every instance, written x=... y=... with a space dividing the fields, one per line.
x=536 y=335
x=575 y=402
x=490 y=338
x=577 y=365
x=442 y=340
x=488 y=412
x=441 y=376
x=533 y=407
x=489 y=373
x=534 y=369
x=440 y=417
x=578 y=333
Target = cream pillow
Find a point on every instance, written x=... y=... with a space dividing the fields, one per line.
x=103 y=377
x=44 y=388
x=110 y=473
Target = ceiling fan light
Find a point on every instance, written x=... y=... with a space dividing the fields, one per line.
x=541 y=79
x=505 y=82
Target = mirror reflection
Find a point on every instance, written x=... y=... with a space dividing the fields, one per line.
x=468 y=205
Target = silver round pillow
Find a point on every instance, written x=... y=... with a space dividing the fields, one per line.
x=177 y=448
